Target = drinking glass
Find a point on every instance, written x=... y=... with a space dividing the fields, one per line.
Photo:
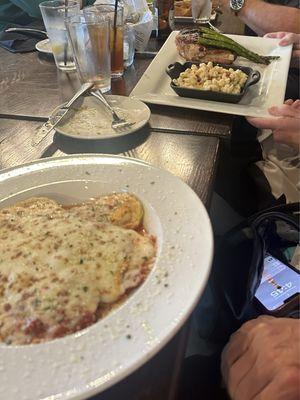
x=129 y=44
x=89 y=36
x=116 y=33
x=54 y=14
x=165 y=9
x=201 y=10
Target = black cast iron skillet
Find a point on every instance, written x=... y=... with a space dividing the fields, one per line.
x=174 y=70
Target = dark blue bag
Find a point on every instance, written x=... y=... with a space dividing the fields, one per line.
x=228 y=300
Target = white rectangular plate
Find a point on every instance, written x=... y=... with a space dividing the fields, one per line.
x=154 y=86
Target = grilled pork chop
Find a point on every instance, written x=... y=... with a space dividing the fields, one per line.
x=190 y=49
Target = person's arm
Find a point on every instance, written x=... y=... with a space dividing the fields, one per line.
x=31 y=7
x=262 y=360
x=263 y=17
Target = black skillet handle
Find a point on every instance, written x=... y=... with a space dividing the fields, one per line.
x=174 y=70
x=254 y=78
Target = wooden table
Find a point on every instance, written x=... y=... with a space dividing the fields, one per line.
x=184 y=143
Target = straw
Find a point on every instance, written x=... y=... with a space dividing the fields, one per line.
x=66 y=45
x=115 y=25
x=116 y=13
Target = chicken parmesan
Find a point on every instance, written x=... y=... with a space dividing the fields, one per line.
x=62 y=268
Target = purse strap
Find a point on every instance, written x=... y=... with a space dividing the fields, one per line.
x=291 y=208
x=259 y=227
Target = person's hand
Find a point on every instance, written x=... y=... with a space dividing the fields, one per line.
x=286 y=39
x=286 y=127
x=262 y=360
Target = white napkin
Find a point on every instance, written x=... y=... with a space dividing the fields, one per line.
x=143 y=26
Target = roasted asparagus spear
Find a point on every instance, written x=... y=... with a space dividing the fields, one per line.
x=209 y=37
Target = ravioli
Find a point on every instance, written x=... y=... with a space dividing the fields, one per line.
x=63 y=268
x=119 y=209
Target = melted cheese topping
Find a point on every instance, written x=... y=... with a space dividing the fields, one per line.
x=60 y=268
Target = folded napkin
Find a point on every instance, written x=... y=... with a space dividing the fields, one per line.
x=20 y=42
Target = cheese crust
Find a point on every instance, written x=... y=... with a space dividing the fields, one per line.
x=63 y=268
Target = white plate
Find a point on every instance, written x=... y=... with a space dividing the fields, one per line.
x=44 y=46
x=80 y=365
x=136 y=111
x=154 y=86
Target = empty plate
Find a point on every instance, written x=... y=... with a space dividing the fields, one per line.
x=91 y=120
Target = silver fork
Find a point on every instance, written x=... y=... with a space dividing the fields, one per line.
x=213 y=27
x=117 y=123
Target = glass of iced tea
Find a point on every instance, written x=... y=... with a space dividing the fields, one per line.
x=116 y=33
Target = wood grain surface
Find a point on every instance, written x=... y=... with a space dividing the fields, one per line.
x=170 y=119
x=192 y=158
x=31 y=87
x=15 y=142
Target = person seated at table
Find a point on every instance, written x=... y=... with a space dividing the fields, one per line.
x=262 y=360
x=19 y=12
x=263 y=17
x=260 y=18
x=283 y=175
x=281 y=150
x=241 y=182
x=22 y=12
x=281 y=145
x=284 y=178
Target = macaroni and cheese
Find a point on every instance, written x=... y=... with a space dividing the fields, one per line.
x=208 y=77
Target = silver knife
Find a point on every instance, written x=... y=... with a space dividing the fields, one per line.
x=59 y=115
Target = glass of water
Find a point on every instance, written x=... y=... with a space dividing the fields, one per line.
x=54 y=14
x=129 y=44
x=90 y=39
